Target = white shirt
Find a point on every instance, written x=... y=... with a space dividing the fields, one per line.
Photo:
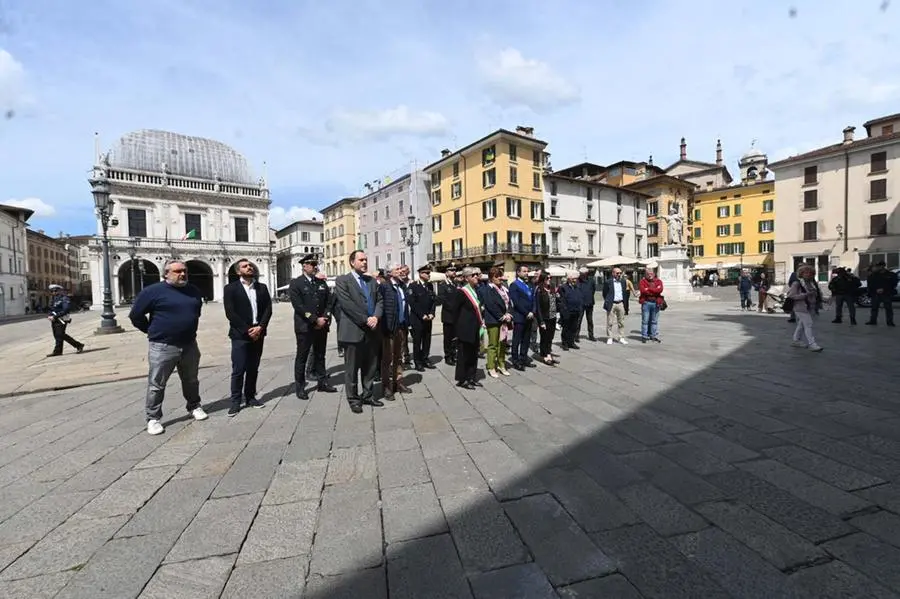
x=251 y=295
x=618 y=293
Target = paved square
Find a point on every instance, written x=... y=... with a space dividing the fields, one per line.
x=720 y=463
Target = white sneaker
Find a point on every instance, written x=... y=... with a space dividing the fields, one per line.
x=798 y=344
x=609 y=341
x=199 y=414
x=493 y=374
x=623 y=341
x=816 y=348
x=154 y=427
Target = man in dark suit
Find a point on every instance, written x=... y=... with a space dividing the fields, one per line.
x=394 y=325
x=360 y=307
x=312 y=316
x=521 y=295
x=446 y=296
x=421 y=318
x=470 y=329
x=248 y=307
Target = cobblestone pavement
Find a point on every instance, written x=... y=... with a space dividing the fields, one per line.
x=721 y=463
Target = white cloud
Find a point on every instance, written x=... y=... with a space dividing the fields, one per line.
x=512 y=79
x=280 y=217
x=12 y=82
x=387 y=123
x=40 y=207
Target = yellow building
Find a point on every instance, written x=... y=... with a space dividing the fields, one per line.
x=734 y=227
x=487 y=202
x=340 y=235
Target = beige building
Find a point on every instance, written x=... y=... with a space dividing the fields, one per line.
x=838 y=205
x=51 y=261
x=340 y=235
x=13 y=264
x=704 y=175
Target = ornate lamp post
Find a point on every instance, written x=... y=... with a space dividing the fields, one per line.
x=102 y=202
x=411 y=240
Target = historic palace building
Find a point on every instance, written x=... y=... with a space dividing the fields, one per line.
x=181 y=197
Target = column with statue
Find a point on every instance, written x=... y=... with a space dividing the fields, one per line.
x=674 y=262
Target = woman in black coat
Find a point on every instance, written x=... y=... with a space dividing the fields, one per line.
x=469 y=329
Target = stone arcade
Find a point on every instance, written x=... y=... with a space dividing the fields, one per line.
x=181 y=197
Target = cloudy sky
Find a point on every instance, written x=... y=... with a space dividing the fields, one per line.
x=334 y=94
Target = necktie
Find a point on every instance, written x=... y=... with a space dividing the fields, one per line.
x=370 y=305
x=400 y=300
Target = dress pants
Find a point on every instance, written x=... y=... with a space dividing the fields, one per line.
x=547 y=334
x=569 y=329
x=450 y=344
x=245 y=358
x=467 y=365
x=59 y=336
x=361 y=359
x=421 y=335
x=392 y=358
x=520 y=341
x=311 y=341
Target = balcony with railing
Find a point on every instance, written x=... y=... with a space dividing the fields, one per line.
x=490 y=250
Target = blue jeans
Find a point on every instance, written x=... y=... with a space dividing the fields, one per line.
x=745 y=300
x=649 y=320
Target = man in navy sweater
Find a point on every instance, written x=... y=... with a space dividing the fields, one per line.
x=169 y=313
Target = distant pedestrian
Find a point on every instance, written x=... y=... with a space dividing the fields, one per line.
x=59 y=319
x=881 y=286
x=745 y=285
x=762 y=288
x=169 y=313
x=248 y=308
x=844 y=287
x=807 y=299
x=614 y=290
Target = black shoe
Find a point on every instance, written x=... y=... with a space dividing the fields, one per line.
x=80 y=348
x=643 y=340
x=475 y=384
x=356 y=408
x=592 y=338
x=466 y=385
x=326 y=388
x=519 y=366
x=853 y=322
x=836 y=321
x=54 y=354
x=253 y=403
x=233 y=411
x=565 y=348
x=420 y=368
x=530 y=365
x=302 y=394
x=389 y=396
x=574 y=346
x=373 y=402
x=430 y=366
x=792 y=320
x=890 y=324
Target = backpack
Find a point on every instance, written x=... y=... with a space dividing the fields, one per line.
x=788 y=305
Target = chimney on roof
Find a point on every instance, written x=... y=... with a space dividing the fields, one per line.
x=650 y=162
x=718 y=152
x=683 y=149
x=848 y=134
x=526 y=131
x=445 y=152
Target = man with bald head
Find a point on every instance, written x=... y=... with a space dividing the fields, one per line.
x=169 y=313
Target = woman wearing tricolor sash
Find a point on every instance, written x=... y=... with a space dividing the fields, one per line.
x=469 y=329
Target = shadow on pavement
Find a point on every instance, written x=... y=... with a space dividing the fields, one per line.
x=766 y=473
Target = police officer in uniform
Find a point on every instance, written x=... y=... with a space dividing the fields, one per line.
x=312 y=317
x=421 y=317
x=59 y=319
x=446 y=298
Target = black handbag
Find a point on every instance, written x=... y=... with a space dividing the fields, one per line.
x=663 y=304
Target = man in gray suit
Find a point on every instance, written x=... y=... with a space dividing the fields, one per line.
x=360 y=309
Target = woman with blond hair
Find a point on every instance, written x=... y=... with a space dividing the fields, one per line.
x=806 y=299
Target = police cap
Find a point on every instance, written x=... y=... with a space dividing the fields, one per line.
x=426 y=268
x=309 y=259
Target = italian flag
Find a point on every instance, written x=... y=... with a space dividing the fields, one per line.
x=192 y=234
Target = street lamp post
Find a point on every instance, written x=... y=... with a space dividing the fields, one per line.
x=411 y=240
x=102 y=202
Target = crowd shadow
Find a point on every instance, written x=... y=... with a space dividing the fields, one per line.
x=676 y=492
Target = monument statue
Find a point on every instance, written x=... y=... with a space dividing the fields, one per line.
x=675 y=223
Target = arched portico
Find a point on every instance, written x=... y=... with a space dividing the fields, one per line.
x=133 y=276
x=200 y=275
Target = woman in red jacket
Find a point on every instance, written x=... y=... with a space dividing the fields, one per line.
x=651 y=299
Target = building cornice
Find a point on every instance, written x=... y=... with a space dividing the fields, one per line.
x=490 y=137
x=152 y=194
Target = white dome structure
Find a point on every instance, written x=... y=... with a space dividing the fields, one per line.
x=153 y=151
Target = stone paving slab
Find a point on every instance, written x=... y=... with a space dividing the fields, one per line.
x=720 y=463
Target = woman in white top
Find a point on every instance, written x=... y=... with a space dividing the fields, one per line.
x=807 y=298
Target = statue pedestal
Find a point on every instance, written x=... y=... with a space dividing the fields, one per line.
x=675 y=273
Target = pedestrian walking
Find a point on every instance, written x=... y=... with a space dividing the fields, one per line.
x=806 y=298
x=745 y=285
x=312 y=317
x=59 y=318
x=169 y=313
x=762 y=288
x=651 y=299
x=360 y=307
x=614 y=290
x=248 y=308
x=881 y=285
